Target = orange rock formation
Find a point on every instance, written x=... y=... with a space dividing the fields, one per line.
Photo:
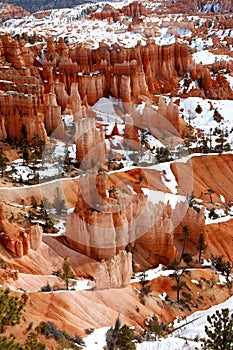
x=12 y=236
x=40 y=84
x=9 y=11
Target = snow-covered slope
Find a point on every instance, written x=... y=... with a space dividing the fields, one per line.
x=187 y=336
x=190 y=331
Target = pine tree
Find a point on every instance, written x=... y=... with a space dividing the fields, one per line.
x=58 y=203
x=145 y=288
x=44 y=206
x=8 y=343
x=10 y=308
x=163 y=154
x=178 y=286
x=32 y=343
x=66 y=273
x=125 y=337
x=65 y=344
x=33 y=202
x=3 y=162
x=219 y=331
x=222 y=266
x=25 y=154
x=184 y=239
x=198 y=109
x=177 y=275
x=201 y=246
x=153 y=328
x=227 y=270
x=111 y=334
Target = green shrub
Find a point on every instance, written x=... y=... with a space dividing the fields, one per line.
x=153 y=328
x=125 y=337
x=49 y=330
x=46 y=288
x=11 y=308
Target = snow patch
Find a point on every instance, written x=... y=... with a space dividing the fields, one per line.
x=96 y=340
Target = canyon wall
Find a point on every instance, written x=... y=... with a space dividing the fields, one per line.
x=40 y=83
x=102 y=225
x=38 y=86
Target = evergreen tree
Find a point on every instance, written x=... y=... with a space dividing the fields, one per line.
x=66 y=273
x=37 y=146
x=8 y=343
x=125 y=337
x=217 y=262
x=163 y=155
x=201 y=246
x=227 y=270
x=46 y=288
x=111 y=334
x=153 y=329
x=65 y=344
x=145 y=288
x=33 y=202
x=10 y=308
x=222 y=266
x=67 y=164
x=58 y=203
x=219 y=331
x=177 y=275
x=143 y=136
x=204 y=145
x=44 y=206
x=3 y=162
x=32 y=343
x=184 y=239
x=25 y=154
x=198 y=109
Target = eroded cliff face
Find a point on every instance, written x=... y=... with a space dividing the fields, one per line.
x=164 y=122
x=134 y=9
x=13 y=237
x=126 y=73
x=108 y=12
x=9 y=11
x=20 y=115
x=193 y=6
x=102 y=225
x=219 y=237
x=90 y=144
x=115 y=272
x=24 y=106
x=39 y=83
x=223 y=6
x=218 y=88
x=163 y=242
x=16 y=239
